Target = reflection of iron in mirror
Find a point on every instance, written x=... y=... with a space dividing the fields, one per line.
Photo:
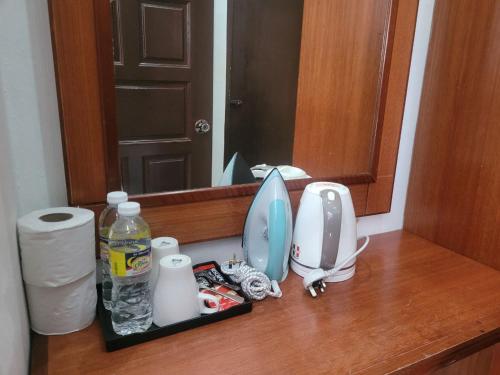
x=172 y=81
x=237 y=172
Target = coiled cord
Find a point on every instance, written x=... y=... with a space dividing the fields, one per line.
x=255 y=284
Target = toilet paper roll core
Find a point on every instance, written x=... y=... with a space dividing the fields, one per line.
x=56 y=217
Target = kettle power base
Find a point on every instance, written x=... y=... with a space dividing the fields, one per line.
x=338 y=277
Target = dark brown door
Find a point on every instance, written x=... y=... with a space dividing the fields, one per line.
x=163 y=78
x=264 y=66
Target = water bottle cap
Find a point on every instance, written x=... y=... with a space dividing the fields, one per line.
x=116 y=197
x=129 y=209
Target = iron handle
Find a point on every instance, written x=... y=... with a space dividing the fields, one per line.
x=202 y=126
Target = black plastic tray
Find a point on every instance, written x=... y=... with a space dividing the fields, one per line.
x=115 y=342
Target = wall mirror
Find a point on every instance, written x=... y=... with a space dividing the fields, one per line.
x=202 y=87
x=186 y=103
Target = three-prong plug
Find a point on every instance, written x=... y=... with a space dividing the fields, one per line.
x=314 y=281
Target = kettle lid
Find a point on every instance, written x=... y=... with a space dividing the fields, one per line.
x=317 y=187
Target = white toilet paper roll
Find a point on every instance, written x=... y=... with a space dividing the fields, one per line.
x=64 y=309
x=57 y=245
x=161 y=246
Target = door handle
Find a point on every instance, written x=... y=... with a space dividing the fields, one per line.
x=202 y=126
x=236 y=102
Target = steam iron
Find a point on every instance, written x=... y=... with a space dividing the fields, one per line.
x=267 y=234
x=237 y=172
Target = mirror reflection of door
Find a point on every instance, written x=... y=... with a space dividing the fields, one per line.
x=264 y=52
x=163 y=60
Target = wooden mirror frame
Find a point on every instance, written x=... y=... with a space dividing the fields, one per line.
x=81 y=40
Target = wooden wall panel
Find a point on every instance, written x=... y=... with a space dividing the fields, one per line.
x=344 y=53
x=79 y=107
x=454 y=191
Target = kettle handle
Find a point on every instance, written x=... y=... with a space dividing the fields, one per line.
x=332 y=223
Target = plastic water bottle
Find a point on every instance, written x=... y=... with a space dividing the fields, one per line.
x=130 y=261
x=107 y=218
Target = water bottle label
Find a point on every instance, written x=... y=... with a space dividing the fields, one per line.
x=104 y=246
x=130 y=263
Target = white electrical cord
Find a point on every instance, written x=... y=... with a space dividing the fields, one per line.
x=255 y=284
x=316 y=278
x=333 y=271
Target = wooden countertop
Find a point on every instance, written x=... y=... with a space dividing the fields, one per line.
x=412 y=305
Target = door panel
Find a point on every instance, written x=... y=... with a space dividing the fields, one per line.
x=169 y=20
x=157 y=166
x=265 y=50
x=163 y=81
x=152 y=107
x=157 y=159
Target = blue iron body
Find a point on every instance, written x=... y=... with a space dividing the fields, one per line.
x=267 y=234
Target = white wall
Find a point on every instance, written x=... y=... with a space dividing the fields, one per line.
x=31 y=163
x=30 y=104
x=219 y=89
x=218 y=250
x=14 y=327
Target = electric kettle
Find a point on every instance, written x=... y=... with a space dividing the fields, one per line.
x=325 y=236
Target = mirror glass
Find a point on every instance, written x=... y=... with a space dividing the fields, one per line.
x=217 y=92
x=205 y=91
